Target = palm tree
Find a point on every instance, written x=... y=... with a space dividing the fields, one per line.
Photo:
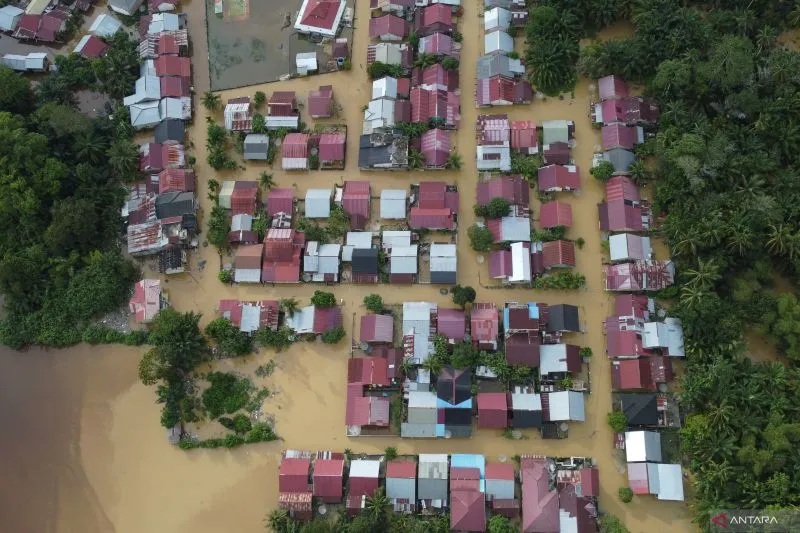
x=454 y=161
x=705 y=275
x=267 y=182
x=686 y=244
x=415 y=159
x=123 y=159
x=779 y=240
x=90 y=148
x=639 y=172
x=277 y=520
x=741 y=239
x=377 y=505
x=289 y=305
x=211 y=101
x=692 y=297
x=432 y=365
x=425 y=60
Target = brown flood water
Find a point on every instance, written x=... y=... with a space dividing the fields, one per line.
x=83 y=442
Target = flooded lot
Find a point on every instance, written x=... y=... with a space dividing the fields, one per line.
x=252 y=42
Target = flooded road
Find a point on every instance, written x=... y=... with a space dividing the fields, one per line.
x=85 y=443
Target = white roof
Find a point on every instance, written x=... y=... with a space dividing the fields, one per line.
x=306 y=61
x=251 y=317
x=105 y=25
x=393 y=204
x=417 y=321
x=566 y=405
x=379 y=114
x=147 y=68
x=384 y=88
x=274 y=122
x=302 y=320
x=520 y=263
x=498 y=41
x=145 y=114
x=667 y=334
x=642 y=446
x=242 y=222
x=148 y=88
x=179 y=108
x=161 y=22
x=326 y=32
x=9 y=17
x=329 y=258
x=422 y=400
x=247 y=275
x=515 y=229
x=403 y=260
x=443 y=250
x=552 y=359
x=318 y=203
x=670 y=482
x=388 y=53
x=621 y=247
x=434 y=458
x=496 y=18
x=365 y=468
x=504 y=163
x=392 y=239
x=30 y=61
x=525 y=401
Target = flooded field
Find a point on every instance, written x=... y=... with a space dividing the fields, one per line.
x=86 y=432
x=252 y=42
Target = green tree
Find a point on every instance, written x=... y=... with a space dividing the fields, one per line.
x=15 y=92
x=465 y=355
x=480 y=238
x=453 y=161
x=333 y=336
x=373 y=302
x=463 y=295
x=289 y=305
x=603 y=170
x=450 y=63
x=259 y=99
x=123 y=159
x=277 y=520
x=390 y=453
x=378 y=506
x=500 y=524
x=218 y=228
x=323 y=299
x=212 y=102
x=230 y=341
x=496 y=208
x=618 y=421
x=266 y=180
x=611 y=524
x=625 y=494
x=416 y=159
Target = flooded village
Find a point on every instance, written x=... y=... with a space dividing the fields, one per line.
x=361 y=200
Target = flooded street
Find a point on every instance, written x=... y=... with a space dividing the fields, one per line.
x=85 y=452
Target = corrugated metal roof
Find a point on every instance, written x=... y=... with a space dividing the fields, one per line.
x=318 y=203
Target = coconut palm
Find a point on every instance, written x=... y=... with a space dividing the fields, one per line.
x=780 y=239
x=705 y=275
x=691 y=296
x=123 y=159
x=289 y=305
x=211 y=101
x=416 y=159
x=454 y=161
x=639 y=172
x=378 y=505
x=90 y=148
x=277 y=520
x=267 y=181
x=432 y=365
x=741 y=239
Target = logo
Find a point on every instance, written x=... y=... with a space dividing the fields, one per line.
x=721 y=520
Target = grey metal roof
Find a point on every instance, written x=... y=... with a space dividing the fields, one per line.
x=401 y=488
x=423 y=431
x=169 y=130
x=404 y=260
x=329 y=258
x=242 y=222
x=444 y=278
x=443 y=263
x=393 y=203
x=318 y=203
x=620 y=158
x=515 y=229
x=173 y=204
x=555 y=131
x=256 y=146
x=251 y=316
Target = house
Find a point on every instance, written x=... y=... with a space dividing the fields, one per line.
x=439 y=44
x=554 y=131
x=160 y=22
x=437 y=195
x=435 y=104
x=417 y=334
x=640 y=408
x=489 y=66
x=294 y=152
x=297 y=504
x=146 y=238
x=493 y=149
x=524 y=137
x=156 y=6
x=432 y=19
x=178 y=66
x=175 y=179
x=306 y=63
x=630 y=110
x=563 y=318
x=620 y=158
x=30 y=62
x=499 y=90
x=663 y=480
x=496 y=18
x=433 y=475
x=512 y=266
x=146 y=300
x=174 y=87
x=557 y=360
x=377 y=329
x=500 y=477
x=283 y=112
x=558 y=254
x=393 y=204
x=380 y=113
x=641 y=446
x=526 y=408
x=401 y=484
x=467 y=510
x=639 y=276
x=498 y=42
x=453 y=388
x=562 y=406
x=176 y=108
x=294 y=474
x=147 y=89
x=395 y=6
x=519 y=17
x=391 y=54
x=558 y=178
x=624 y=338
x=385 y=87
x=242 y=230
x=280 y=200
x=437 y=78
x=321 y=261
x=492 y=410
x=611 y=88
x=90 y=47
x=320 y=17
x=629 y=247
x=314 y=320
x=539 y=503
x=251 y=316
x=403 y=264
x=513 y=189
x=244 y=198
x=510 y=229
x=632 y=305
x=422 y=414
x=395 y=239
x=554 y=214
x=363 y=479
x=170 y=131
x=623 y=215
x=443 y=263
x=247 y=264
x=356 y=203
x=576 y=511
x=621 y=136
x=9 y=17
x=432 y=219
x=125 y=7
x=365 y=266
x=644 y=373
x=484 y=325
x=362 y=411
x=666 y=336
x=623 y=188
x=388 y=28
x=282 y=251
x=320 y=102
x=452 y=324
x=355 y=240
x=435 y=147
x=329 y=480
x=174 y=204
x=556 y=153
x=256 y=147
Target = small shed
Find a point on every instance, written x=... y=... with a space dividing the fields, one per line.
x=329 y=480
x=306 y=63
x=642 y=446
x=318 y=203
x=256 y=147
x=499 y=479
x=393 y=204
x=443 y=263
x=492 y=410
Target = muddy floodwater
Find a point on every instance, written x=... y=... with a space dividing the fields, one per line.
x=83 y=451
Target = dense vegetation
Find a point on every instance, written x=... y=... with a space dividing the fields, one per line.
x=62 y=176
x=377 y=516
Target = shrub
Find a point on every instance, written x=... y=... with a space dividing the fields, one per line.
x=480 y=238
x=313 y=162
x=227 y=394
x=618 y=421
x=278 y=340
x=585 y=352
x=602 y=170
x=259 y=98
x=463 y=295
x=323 y=299
x=374 y=303
x=625 y=494
x=230 y=341
x=580 y=242
x=333 y=336
x=390 y=453
x=225 y=276
x=496 y=208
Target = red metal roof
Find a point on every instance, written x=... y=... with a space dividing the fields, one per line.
x=243 y=201
x=175 y=179
x=437 y=43
x=636 y=108
x=279 y=201
x=326 y=318
x=403 y=87
x=618 y=136
x=293 y=475
x=94 y=48
x=539 y=504
x=435 y=146
x=492 y=410
x=524 y=134
x=484 y=321
x=619 y=215
x=500 y=264
x=356 y=202
x=555 y=177
x=631 y=305
x=558 y=254
x=467 y=509
x=439 y=16
x=612 y=87
x=637 y=478
x=499 y=471
x=493 y=129
x=295 y=145
x=389 y=24
x=554 y=214
x=632 y=374
x=28 y=25
x=331 y=146
x=401 y=469
x=437 y=77
x=368 y=371
x=431 y=194
x=513 y=188
x=320 y=102
x=523 y=349
x=173 y=66
x=622 y=188
x=320 y=13
x=590 y=481
x=431 y=218
x=362 y=486
x=377 y=328
x=167 y=44
x=556 y=153
x=363 y=410
x=623 y=343
x=328 y=474
x=452 y=323
x=282 y=104
x=174 y=86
